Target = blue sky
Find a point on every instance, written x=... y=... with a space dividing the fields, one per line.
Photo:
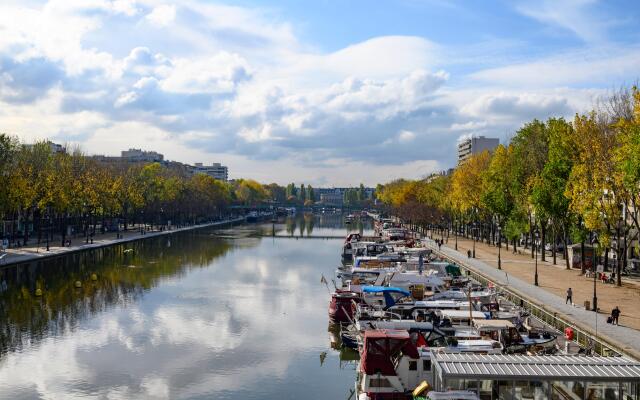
x=322 y=92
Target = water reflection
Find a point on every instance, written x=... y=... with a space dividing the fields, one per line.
x=327 y=225
x=213 y=314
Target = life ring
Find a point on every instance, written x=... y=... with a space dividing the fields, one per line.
x=568 y=333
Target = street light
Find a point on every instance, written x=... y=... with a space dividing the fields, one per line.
x=535 y=250
x=594 y=243
x=474 y=240
x=499 y=247
x=457 y=228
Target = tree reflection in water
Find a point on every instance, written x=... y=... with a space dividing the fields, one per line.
x=124 y=272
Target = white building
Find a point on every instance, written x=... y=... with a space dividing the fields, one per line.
x=54 y=147
x=138 y=155
x=215 y=170
x=475 y=145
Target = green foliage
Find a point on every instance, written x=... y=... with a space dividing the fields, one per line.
x=64 y=187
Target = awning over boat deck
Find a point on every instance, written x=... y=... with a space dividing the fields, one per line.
x=485 y=324
x=385 y=289
x=535 y=368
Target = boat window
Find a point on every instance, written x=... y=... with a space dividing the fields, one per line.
x=413 y=365
x=426 y=365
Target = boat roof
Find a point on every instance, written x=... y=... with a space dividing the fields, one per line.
x=493 y=323
x=463 y=314
x=404 y=324
x=385 y=289
x=533 y=367
x=386 y=334
x=452 y=395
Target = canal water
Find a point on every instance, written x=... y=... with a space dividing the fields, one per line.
x=229 y=313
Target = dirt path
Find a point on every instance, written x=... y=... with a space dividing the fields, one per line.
x=556 y=279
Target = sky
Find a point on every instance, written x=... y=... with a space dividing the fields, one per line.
x=325 y=92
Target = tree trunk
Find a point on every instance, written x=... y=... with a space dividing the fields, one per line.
x=566 y=250
x=555 y=241
x=63 y=228
x=543 y=241
x=582 y=261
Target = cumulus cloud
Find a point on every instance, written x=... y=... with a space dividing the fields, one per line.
x=236 y=84
x=162 y=15
x=518 y=107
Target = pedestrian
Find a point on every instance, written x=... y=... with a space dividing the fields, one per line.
x=615 y=314
x=468 y=253
x=440 y=244
x=569 y=296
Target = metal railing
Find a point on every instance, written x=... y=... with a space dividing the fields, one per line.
x=582 y=337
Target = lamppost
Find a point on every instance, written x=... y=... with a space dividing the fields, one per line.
x=48 y=216
x=457 y=228
x=499 y=247
x=594 y=243
x=474 y=239
x=535 y=250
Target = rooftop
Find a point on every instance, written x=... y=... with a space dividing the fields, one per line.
x=555 y=367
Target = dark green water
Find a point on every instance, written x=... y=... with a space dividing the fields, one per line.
x=207 y=314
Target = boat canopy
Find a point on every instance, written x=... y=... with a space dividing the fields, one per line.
x=381 y=347
x=493 y=324
x=385 y=289
x=453 y=270
x=387 y=293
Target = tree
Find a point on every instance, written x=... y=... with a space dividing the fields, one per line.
x=627 y=157
x=311 y=197
x=548 y=190
x=250 y=192
x=498 y=194
x=302 y=193
x=467 y=185
x=595 y=185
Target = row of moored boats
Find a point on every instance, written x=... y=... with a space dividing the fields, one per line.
x=396 y=303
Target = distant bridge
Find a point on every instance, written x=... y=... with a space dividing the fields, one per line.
x=323 y=237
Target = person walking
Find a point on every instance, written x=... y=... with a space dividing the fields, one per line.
x=615 y=314
x=569 y=296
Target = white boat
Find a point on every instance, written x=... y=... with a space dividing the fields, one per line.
x=392 y=365
x=514 y=341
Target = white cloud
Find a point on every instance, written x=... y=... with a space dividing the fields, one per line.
x=219 y=73
x=572 y=15
x=236 y=84
x=406 y=136
x=593 y=66
x=162 y=15
x=467 y=126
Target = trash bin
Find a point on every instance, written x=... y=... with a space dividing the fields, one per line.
x=587 y=305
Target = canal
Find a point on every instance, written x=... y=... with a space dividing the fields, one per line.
x=209 y=314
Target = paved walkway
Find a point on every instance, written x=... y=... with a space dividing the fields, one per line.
x=624 y=337
x=34 y=252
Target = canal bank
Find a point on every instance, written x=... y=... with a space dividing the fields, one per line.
x=552 y=309
x=39 y=252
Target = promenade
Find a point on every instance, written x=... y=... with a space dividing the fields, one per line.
x=517 y=273
x=33 y=252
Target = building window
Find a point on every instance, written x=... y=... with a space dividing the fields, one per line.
x=413 y=365
x=426 y=365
